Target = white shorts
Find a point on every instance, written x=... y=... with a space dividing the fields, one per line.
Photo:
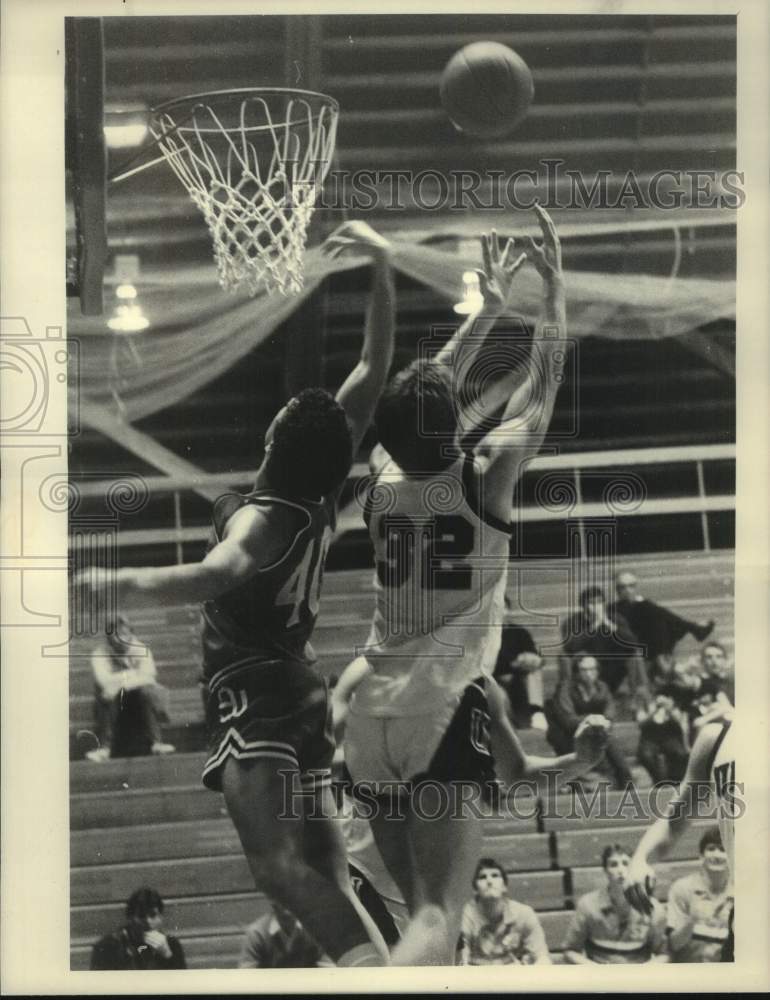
x=448 y=744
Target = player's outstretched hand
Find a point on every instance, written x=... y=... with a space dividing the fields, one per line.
x=640 y=885
x=496 y=276
x=546 y=258
x=356 y=237
x=591 y=738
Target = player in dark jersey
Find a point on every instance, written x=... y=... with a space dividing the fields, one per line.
x=711 y=764
x=268 y=710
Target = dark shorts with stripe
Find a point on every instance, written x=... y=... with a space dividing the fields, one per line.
x=278 y=710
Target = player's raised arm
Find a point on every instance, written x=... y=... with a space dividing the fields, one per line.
x=496 y=283
x=659 y=838
x=361 y=389
x=250 y=544
x=513 y=764
x=523 y=425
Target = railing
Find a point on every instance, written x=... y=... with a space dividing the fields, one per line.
x=567 y=488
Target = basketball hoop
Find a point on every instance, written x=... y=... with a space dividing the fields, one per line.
x=254 y=162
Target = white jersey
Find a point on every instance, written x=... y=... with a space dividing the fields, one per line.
x=441 y=572
x=722 y=775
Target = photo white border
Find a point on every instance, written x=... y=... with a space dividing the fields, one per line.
x=35 y=772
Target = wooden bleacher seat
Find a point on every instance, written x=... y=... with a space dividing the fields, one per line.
x=604 y=809
x=156 y=805
x=577 y=848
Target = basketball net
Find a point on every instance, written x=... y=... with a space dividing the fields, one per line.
x=254 y=162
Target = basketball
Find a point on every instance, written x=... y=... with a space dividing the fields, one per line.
x=486 y=89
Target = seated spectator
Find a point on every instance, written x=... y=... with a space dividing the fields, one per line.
x=715 y=667
x=129 y=704
x=140 y=943
x=700 y=905
x=610 y=639
x=496 y=930
x=709 y=705
x=657 y=628
x=582 y=695
x=663 y=731
x=519 y=672
x=606 y=929
x=277 y=940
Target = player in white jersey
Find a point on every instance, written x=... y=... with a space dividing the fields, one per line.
x=711 y=764
x=439 y=517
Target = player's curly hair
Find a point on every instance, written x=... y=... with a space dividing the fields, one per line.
x=312 y=446
x=416 y=416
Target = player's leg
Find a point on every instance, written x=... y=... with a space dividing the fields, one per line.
x=323 y=849
x=445 y=851
x=391 y=837
x=443 y=829
x=271 y=834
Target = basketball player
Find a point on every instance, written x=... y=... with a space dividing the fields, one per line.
x=439 y=520
x=268 y=711
x=711 y=764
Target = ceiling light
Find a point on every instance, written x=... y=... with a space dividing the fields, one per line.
x=472 y=299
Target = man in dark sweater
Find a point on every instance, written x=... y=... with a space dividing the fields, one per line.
x=608 y=637
x=658 y=629
x=140 y=943
x=580 y=695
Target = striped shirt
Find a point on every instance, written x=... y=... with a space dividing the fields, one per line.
x=611 y=936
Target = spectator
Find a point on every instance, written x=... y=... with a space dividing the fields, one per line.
x=714 y=667
x=519 y=672
x=496 y=930
x=709 y=705
x=593 y=630
x=129 y=704
x=606 y=929
x=657 y=628
x=582 y=695
x=699 y=905
x=277 y=940
x=140 y=943
x=663 y=733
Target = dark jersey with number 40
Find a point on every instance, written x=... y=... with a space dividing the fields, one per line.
x=271 y=615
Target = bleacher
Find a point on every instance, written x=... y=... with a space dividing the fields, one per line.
x=149 y=820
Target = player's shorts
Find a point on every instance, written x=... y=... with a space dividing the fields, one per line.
x=374 y=905
x=448 y=745
x=275 y=710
